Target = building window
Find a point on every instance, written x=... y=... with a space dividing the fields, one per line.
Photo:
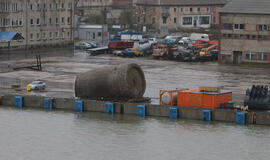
x=56 y=35
x=182 y=10
x=69 y=5
x=63 y=5
x=262 y=27
x=174 y=9
x=31 y=36
x=265 y=37
x=247 y=36
x=214 y=19
x=69 y=20
x=56 y=21
x=31 y=7
x=94 y=35
x=207 y=9
x=190 y=9
x=235 y=36
x=63 y=20
x=44 y=6
x=259 y=37
x=198 y=9
x=51 y=35
x=38 y=36
x=44 y=35
x=99 y=34
x=229 y=35
x=164 y=19
x=250 y=56
x=38 y=22
x=50 y=5
x=63 y=35
x=254 y=37
x=68 y=34
x=262 y=56
x=32 y=21
x=56 y=6
x=21 y=22
x=224 y=36
x=154 y=10
x=50 y=20
x=187 y=20
x=174 y=20
x=153 y=20
x=204 y=20
x=239 y=26
x=227 y=26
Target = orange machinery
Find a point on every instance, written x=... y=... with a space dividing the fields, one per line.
x=195 y=98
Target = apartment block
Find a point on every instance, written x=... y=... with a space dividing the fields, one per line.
x=245 y=32
x=40 y=22
x=169 y=14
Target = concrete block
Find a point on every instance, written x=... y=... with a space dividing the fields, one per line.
x=190 y=113
x=173 y=112
x=18 y=101
x=130 y=108
x=240 y=117
x=8 y=100
x=223 y=115
x=64 y=103
x=78 y=106
x=94 y=106
x=207 y=115
x=109 y=108
x=263 y=118
x=48 y=104
x=118 y=108
x=157 y=110
x=33 y=101
x=141 y=110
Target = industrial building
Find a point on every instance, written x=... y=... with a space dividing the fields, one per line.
x=173 y=14
x=245 y=32
x=42 y=23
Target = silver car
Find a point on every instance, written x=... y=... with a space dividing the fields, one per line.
x=37 y=85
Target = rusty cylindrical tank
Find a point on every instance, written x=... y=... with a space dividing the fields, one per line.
x=116 y=82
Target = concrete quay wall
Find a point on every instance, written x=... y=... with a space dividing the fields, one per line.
x=220 y=115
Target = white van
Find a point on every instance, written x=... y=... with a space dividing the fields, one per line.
x=199 y=36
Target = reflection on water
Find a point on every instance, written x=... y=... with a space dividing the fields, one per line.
x=34 y=134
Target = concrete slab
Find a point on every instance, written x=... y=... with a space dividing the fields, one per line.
x=64 y=103
x=33 y=101
x=157 y=110
x=223 y=115
x=94 y=106
x=190 y=113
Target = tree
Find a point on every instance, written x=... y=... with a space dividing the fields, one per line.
x=127 y=18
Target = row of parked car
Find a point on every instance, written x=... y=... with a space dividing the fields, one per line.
x=85 y=45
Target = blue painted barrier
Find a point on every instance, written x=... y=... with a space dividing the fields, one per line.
x=109 y=108
x=240 y=117
x=48 y=104
x=206 y=115
x=18 y=101
x=141 y=110
x=222 y=105
x=78 y=106
x=173 y=112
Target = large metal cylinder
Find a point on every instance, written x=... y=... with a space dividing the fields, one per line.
x=121 y=82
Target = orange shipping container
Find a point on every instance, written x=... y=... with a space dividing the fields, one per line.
x=184 y=98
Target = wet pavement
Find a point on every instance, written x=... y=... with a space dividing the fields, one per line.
x=59 y=72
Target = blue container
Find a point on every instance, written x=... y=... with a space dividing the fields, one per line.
x=141 y=110
x=48 y=104
x=222 y=105
x=18 y=101
x=110 y=108
x=240 y=117
x=78 y=106
x=206 y=115
x=173 y=112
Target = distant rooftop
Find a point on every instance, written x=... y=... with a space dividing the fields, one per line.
x=181 y=2
x=247 y=7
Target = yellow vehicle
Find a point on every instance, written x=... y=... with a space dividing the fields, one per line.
x=205 y=52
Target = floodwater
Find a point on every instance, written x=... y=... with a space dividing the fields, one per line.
x=36 y=134
x=60 y=70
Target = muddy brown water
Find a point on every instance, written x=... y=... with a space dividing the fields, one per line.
x=59 y=72
x=36 y=134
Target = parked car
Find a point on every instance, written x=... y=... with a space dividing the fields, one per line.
x=37 y=85
x=173 y=39
x=152 y=40
x=143 y=41
x=83 y=45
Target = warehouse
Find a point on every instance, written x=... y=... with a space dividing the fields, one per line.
x=245 y=32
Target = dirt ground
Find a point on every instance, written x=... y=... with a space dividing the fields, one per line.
x=59 y=72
